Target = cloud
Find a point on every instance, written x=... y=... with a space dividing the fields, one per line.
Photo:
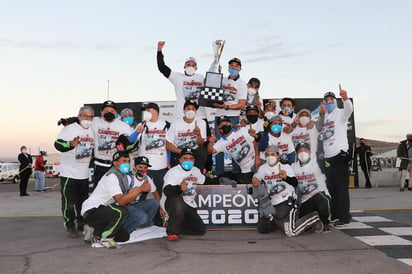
x=55 y=45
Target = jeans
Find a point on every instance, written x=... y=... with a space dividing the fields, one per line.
x=40 y=180
x=141 y=214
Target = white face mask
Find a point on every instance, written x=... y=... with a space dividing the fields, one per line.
x=271 y=160
x=251 y=91
x=304 y=120
x=86 y=123
x=190 y=70
x=190 y=114
x=303 y=156
x=147 y=116
x=24 y=151
x=269 y=115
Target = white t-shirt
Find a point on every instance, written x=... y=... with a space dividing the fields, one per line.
x=239 y=145
x=75 y=162
x=138 y=182
x=287 y=120
x=181 y=134
x=186 y=87
x=176 y=175
x=334 y=131
x=153 y=144
x=279 y=190
x=105 y=137
x=103 y=194
x=234 y=91
x=303 y=134
x=283 y=142
x=311 y=179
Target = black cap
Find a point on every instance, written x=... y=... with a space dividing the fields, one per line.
x=118 y=154
x=42 y=152
x=221 y=119
x=254 y=82
x=109 y=103
x=302 y=144
x=141 y=160
x=151 y=105
x=235 y=60
x=252 y=107
x=191 y=103
x=187 y=151
x=329 y=94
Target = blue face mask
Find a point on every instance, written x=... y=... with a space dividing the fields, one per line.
x=276 y=129
x=233 y=72
x=124 y=168
x=187 y=165
x=287 y=110
x=330 y=107
x=128 y=120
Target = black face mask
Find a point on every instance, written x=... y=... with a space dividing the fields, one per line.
x=108 y=116
x=225 y=129
x=252 y=118
x=140 y=173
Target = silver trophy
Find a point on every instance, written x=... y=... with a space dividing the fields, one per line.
x=217 y=50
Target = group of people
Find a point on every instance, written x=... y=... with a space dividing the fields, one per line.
x=297 y=164
x=26 y=169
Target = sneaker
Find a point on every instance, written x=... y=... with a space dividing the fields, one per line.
x=72 y=233
x=172 y=237
x=318 y=226
x=95 y=242
x=334 y=220
x=109 y=243
x=88 y=233
x=326 y=229
x=340 y=223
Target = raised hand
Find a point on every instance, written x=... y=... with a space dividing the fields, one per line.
x=282 y=173
x=160 y=45
x=196 y=130
x=343 y=93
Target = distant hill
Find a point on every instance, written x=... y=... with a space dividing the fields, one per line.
x=379 y=147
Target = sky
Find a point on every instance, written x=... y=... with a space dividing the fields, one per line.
x=56 y=56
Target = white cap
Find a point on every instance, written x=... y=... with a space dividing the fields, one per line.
x=188 y=59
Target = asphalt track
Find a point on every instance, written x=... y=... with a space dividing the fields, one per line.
x=378 y=240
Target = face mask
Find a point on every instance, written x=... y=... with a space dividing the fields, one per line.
x=303 y=156
x=24 y=151
x=147 y=116
x=252 y=118
x=190 y=70
x=128 y=120
x=108 y=116
x=140 y=173
x=190 y=114
x=271 y=160
x=233 y=72
x=86 y=123
x=276 y=129
x=251 y=91
x=304 y=120
x=410 y=140
x=187 y=165
x=225 y=129
x=269 y=115
x=330 y=107
x=124 y=168
x=287 y=110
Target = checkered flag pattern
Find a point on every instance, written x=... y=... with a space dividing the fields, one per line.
x=212 y=94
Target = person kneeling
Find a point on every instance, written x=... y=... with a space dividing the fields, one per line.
x=179 y=191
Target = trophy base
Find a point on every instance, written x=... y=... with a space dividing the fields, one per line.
x=208 y=96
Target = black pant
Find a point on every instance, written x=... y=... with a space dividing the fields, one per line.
x=244 y=178
x=24 y=179
x=366 y=171
x=337 y=181
x=183 y=218
x=99 y=171
x=74 y=193
x=107 y=222
x=320 y=203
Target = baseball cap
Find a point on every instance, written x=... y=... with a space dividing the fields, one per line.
x=409 y=135
x=272 y=148
x=126 y=112
x=190 y=102
x=236 y=60
x=329 y=94
x=304 y=110
x=302 y=144
x=191 y=59
x=118 y=154
x=252 y=107
x=186 y=151
x=221 y=119
x=276 y=118
x=109 y=103
x=151 y=105
x=142 y=160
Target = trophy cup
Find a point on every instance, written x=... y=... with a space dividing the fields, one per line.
x=212 y=91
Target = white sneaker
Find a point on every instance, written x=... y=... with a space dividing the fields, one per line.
x=95 y=242
x=109 y=243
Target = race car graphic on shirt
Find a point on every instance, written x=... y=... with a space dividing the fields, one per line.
x=186 y=139
x=191 y=90
x=84 y=148
x=107 y=139
x=238 y=149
